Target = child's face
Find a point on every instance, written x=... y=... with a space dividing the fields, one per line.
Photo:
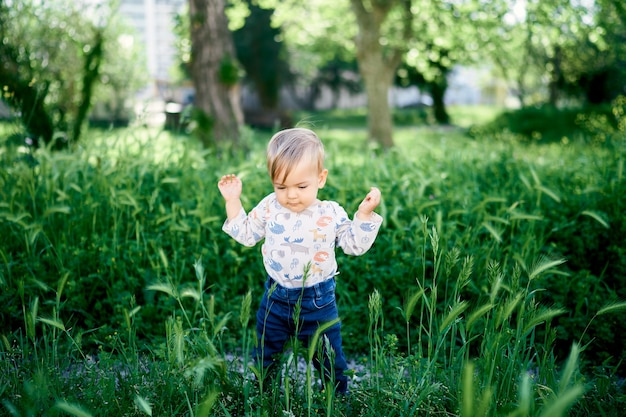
x=299 y=190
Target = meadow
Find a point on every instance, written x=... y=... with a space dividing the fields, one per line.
x=496 y=286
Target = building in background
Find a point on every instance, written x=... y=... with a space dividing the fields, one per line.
x=154 y=22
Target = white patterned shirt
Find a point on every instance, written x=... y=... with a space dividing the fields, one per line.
x=295 y=242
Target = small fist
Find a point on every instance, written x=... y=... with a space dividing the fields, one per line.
x=230 y=187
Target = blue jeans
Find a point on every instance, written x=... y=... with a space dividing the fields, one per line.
x=276 y=325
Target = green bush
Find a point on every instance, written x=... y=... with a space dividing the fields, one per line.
x=546 y=124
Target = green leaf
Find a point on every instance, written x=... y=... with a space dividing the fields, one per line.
x=321 y=329
x=524 y=216
x=570 y=368
x=205 y=406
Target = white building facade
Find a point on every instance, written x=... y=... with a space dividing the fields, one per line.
x=154 y=22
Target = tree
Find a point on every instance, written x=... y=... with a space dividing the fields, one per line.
x=595 y=68
x=382 y=32
x=214 y=72
x=51 y=60
x=338 y=75
x=260 y=52
x=503 y=40
x=48 y=70
x=363 y=29
x=559 y=51
x=378 y=64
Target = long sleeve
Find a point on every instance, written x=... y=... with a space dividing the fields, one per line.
x=303 y=243
x=355 y=237
x=247 y=229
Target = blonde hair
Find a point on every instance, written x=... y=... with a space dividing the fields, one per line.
x=289 y=147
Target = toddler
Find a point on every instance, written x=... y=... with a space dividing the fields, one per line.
x=300 y=233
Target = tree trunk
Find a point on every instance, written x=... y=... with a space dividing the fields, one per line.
x=214 y=73
x=554 y=72
x=437 y=89
x=376 y=67
x=27 y=97
x=378 y=80
x=91 y=72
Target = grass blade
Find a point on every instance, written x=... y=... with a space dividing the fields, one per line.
x=455 y=312
x=53 y=322
x=143 y=405
x=411 y=302
x=205 y=407
x=163 y=287
x=56 y=209
x=545 y=316
x=497 y=235
x=316 y=336
x=564 y=401
x=569 y=369
x=549 y=193
x=612 y=308
x=72 y=409
x=467 y=391
x=478 y=313
x=543 y=264
x=597 y=216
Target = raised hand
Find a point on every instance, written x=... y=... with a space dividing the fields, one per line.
x=369 y=203
x=230 y=187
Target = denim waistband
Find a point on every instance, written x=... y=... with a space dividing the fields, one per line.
x=294 y=294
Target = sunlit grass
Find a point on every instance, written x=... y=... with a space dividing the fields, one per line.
x=461 y=116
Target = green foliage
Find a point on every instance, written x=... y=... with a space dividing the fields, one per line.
x=494 y=254
x=353 y=119
x=594 y=125
x=59 y=57
x=229 y=71
x=587 y=227
x=201 y=126
x=261 y=53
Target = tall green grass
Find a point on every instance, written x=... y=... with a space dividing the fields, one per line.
x=121 y=295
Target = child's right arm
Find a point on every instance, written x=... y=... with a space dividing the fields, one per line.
x=246 y=229
x=230 y=187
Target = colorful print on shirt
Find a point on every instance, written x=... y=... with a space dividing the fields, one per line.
x=305 y=241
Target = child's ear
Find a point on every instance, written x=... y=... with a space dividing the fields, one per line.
x=322 y=178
